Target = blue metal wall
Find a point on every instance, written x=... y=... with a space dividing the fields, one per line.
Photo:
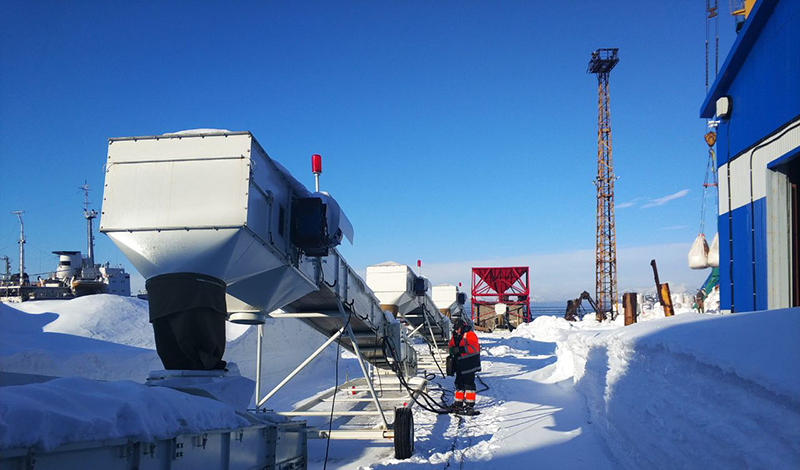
x=725 y=287
x=743 y=277
x=762 y=77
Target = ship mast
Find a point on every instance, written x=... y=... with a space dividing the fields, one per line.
x=7 y=260
x=89 y=214
x=21 y=246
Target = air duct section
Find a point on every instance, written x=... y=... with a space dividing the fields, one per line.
x=211 y=207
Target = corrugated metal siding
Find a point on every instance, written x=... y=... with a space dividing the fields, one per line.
x=748 y=268
x=765 y=91
x=742 y=275
x=724 y=262
x=760 y=252
x=739 y=183
x=762 y=77
x=735 y=177
x=743 y=194
x=722 y=177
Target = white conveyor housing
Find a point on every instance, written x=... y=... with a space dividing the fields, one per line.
x=405 y=294
x=214 y=203
x=450 y=301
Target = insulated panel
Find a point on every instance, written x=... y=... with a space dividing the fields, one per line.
x=739 y=182
x=173 y=147
x=742 y=275
x=445 y=296
x=390 y=281
x=747 y=179
x=174 y=194
x=724 y=262
x=722 y=177
x=784 y=142
x=760 y=252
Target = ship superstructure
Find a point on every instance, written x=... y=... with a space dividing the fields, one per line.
x=75 y=274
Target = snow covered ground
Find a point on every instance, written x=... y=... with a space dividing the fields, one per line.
x=691 y=391
x=694 y=391
x=527 y=420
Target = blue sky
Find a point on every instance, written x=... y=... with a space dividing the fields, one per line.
x=452 y=132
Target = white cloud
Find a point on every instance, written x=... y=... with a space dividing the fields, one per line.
x=631 y=203
x=663 y=200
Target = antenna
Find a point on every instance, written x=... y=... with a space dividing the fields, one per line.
x=21 y=246
x=89 y=215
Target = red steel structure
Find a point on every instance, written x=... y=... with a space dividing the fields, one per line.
x=507 y=285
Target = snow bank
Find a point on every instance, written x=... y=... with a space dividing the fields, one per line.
x=108 y=337
x=107 y=317
x=76 y=409
x=552 y=329
x=693 y=391
x=25 y=346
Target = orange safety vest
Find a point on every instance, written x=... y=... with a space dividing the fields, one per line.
x=468 y=352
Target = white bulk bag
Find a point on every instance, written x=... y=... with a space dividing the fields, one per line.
x=698 y=254
x=713 y=252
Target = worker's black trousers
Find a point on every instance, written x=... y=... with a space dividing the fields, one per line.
x=191 y=339
x=465 y=381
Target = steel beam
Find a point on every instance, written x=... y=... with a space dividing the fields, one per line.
x=301 y=367
x=361 y=362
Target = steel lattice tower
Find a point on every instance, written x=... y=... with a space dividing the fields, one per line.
x=601 y=64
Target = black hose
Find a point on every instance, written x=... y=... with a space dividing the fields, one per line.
x=431 y=404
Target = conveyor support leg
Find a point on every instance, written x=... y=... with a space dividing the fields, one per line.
x=361 y=363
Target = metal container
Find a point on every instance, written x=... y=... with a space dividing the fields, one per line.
x=212 y=203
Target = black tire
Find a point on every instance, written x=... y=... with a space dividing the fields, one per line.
x=403 y=433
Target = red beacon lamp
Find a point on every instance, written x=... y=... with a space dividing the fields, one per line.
x=316 y=168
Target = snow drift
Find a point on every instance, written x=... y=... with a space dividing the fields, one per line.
x=76 y=410
x=32 y=344
x=691 y=391
x=109 y=338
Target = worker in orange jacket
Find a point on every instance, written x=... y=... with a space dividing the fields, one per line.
x=464 y=347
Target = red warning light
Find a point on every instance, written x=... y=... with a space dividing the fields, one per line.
x=419 y=263
x=316 y=164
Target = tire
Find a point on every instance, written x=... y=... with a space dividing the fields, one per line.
x=403 y=433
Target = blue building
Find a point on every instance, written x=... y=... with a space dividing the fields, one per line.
x=756 y=99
